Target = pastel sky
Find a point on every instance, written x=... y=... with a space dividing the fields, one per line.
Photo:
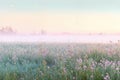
x=57 y=16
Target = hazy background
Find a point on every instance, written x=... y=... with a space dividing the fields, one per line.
x=59 y=16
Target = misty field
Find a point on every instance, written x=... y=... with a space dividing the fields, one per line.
x=59 y=61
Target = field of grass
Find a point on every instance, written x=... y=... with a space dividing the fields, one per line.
x=59 y=61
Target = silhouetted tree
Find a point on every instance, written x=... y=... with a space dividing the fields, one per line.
x=6 y=30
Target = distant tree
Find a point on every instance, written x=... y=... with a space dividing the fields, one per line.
x=6 y=30
x=43 y=32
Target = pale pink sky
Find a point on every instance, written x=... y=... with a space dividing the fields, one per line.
x=58 y=22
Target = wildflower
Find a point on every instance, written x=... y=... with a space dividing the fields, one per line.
x=41 y=73
x=106 y=63
x=14 y=58
x=79 y=61
x=107 y=77
x=117 y=69
x=64 y=70
x=84 y=67
x=118 y=63
x=93 y=65
x=73 y=78
x=113 y=65
x=78 y=67
x=48 y=67
x=91 y=76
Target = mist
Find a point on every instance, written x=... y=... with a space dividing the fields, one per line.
x=61 y=38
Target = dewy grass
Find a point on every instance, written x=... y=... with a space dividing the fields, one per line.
x=31 y=61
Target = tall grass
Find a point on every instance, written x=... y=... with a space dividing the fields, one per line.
x=31 y=61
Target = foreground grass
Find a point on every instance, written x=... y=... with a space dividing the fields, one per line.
x=59 y=61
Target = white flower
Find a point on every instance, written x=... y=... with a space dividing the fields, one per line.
x=79 y=61
x=117 y=69
x=48 y=67
x=91 y=76
x=73 y=78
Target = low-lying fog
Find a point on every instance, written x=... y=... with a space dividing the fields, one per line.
x=61 y=38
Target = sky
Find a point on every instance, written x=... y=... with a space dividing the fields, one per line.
x=58 y=16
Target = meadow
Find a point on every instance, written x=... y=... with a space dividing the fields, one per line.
x=59 y=61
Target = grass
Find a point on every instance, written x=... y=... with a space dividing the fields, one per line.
x=54 y=61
